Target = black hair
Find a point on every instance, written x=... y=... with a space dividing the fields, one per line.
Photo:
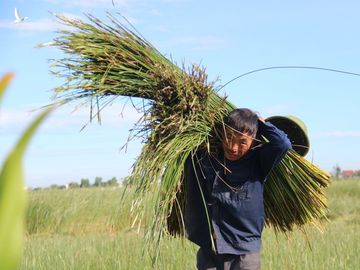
x=243 y=120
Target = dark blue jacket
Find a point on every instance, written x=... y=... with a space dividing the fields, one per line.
x=234 y=211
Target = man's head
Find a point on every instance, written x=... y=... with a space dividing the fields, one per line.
x=239 y=132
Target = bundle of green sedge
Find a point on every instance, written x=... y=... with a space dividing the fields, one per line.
x=180 y=112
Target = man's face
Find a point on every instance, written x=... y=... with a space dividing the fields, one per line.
x=235 y=144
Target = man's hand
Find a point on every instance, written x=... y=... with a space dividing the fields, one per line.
x=261 y=119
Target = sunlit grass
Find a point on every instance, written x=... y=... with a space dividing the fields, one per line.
x=96 y=234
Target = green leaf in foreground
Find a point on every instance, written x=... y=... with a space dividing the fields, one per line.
x=4 y=82
x=13 y=199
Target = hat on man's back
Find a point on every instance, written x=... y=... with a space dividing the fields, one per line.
x=296 y=131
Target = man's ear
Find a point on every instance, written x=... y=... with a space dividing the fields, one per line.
x=255 y=141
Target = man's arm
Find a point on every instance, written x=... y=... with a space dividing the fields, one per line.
x=272 y=152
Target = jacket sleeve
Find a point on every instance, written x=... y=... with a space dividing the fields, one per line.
x=271 y=153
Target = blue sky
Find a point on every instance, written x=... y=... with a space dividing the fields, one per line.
x=227 y=37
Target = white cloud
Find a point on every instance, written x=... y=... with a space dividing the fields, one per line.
x=114 y=115
x=13 y=121
x=52 y=24
x=37 y=26
x=339 y=134
x=11 y=118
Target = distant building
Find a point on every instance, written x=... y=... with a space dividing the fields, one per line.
x=349 y=174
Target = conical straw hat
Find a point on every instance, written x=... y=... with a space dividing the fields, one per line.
x=296 y=131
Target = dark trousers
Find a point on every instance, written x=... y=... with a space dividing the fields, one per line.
x=208 y=260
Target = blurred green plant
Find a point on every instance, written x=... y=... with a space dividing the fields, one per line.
x=13 y=197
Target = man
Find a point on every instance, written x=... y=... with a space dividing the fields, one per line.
x=224 y=210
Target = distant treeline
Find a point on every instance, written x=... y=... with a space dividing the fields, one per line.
x=85 y=183
x=114 y=182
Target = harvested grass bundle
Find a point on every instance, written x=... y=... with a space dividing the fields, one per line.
x=180 y=114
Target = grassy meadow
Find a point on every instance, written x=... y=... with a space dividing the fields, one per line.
x=90 y=228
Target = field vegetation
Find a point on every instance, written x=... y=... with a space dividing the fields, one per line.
x=91 y=228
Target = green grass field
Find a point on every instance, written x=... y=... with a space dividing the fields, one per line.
x=91 y=229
